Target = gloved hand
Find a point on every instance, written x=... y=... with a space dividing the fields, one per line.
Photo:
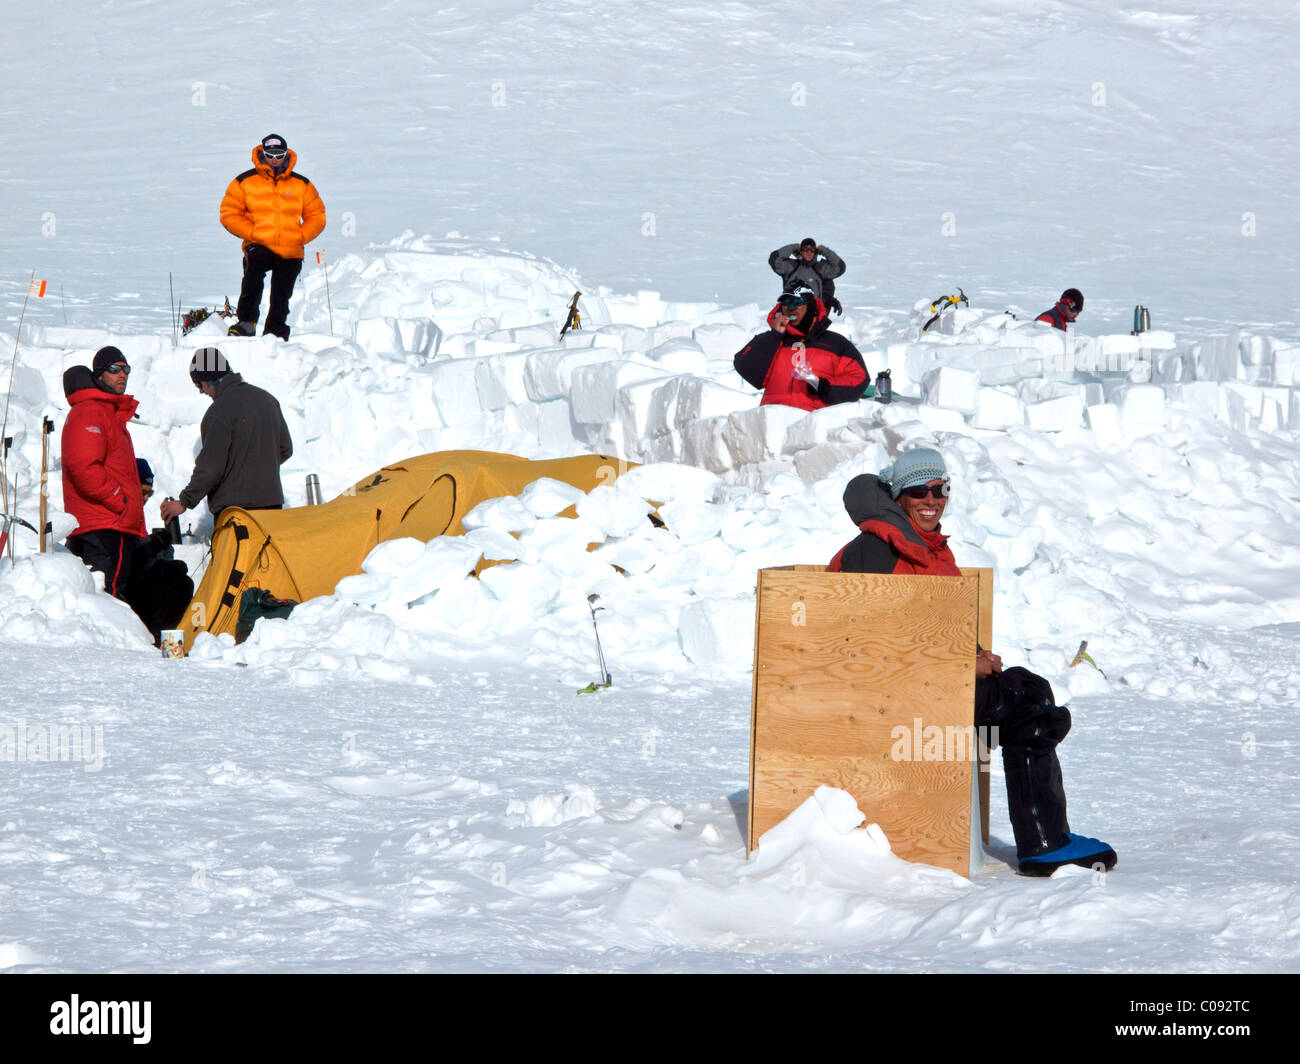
x=819 y=388
x=836 y=306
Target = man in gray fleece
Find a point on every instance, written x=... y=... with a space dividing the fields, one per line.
x=245 y=441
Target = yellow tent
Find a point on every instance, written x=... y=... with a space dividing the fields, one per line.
x=304 y=552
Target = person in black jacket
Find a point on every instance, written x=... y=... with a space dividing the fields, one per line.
x=812 y=265
x=245 y=441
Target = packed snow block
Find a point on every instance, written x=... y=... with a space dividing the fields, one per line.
x=699 y=397
x=549 y=372
x=680 y=355
x=1218 y=358
x=595 y=388
x=420 y=337
x=665 y=448
x=758 y=435
x=379 y=337
x=1142 y=409
x=555 y=427
x=662 y=332
x=1056 y=415
x=1241 y=404
x=703 y=444
x=863 y=682
x=632 y=411
x=817 y=463
x=649 y=307
x=721 y=340
x=1040 y=389
x=661 y=417
x=952 y=389
x=500 y=380
x=1286 y=364
x=455 y=391
x=624 y=338
x=815 y=427
x=714 y=632
x=1107 y=429
x=996 y=408
x=1199 y=396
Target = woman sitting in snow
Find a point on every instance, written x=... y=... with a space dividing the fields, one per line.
x=898 y=513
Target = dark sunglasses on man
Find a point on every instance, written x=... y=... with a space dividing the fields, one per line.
x=117 y=367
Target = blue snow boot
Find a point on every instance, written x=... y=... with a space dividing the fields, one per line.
x=1080 y=850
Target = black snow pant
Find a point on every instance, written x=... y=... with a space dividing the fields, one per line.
x=108 y=552
x=1029 y=723
x=284 y=274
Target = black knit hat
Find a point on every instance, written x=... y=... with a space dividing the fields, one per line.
x=274 y=142
x=808 y=242
x=105 y=357
x=208 y=364
x=1074 y=298
x=142 y=468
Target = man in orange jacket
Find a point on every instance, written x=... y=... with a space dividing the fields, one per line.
x=275 y=212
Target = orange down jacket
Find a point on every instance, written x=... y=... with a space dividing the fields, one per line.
x=281 y=212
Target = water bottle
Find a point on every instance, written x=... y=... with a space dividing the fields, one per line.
x=174 y=525
x=884 y=387
x=313 y=490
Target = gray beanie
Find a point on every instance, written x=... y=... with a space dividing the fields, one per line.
x=913 y=468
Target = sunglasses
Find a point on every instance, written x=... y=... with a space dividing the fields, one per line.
x=117 y=367
x=938 y=491
x=275 y=154
x=790 y=303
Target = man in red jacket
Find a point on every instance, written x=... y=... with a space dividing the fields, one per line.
x=799 y=362
x=101 y=485
x=1067 y=308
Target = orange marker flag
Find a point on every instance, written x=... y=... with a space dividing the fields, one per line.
x=37 y=289
x=320 y=258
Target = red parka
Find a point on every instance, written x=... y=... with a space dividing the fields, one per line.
x=101 y=485
x=889 y=542
x=767 y=362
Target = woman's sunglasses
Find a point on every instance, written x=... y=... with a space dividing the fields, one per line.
x=938 y=491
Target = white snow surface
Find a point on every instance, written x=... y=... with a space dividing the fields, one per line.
x=400 y=776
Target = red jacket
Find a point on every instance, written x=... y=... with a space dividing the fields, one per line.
x=767 y=362
x=101 y=485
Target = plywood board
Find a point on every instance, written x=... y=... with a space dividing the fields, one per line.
x=866 y=682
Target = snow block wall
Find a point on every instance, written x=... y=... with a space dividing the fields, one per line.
x=1066 y=450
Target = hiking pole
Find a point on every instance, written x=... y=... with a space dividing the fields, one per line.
x=171 y=293
x=47 y=426
x=320 y=261
x=605 y=679
x=4 y=471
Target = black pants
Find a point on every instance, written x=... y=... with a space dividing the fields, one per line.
x=284 y=273
x=107 y=552
x=1029 y=723
x=159 y=592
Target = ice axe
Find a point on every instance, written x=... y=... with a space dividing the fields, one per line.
x=6 y=523
x=605 y=679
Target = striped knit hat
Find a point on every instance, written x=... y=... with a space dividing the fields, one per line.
x=913 y=468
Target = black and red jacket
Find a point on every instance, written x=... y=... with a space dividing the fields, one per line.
x=889 y=542
x=101 y=485
x=767 y=362
x=1054 y=317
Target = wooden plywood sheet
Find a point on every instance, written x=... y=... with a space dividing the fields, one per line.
x=842 y=662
